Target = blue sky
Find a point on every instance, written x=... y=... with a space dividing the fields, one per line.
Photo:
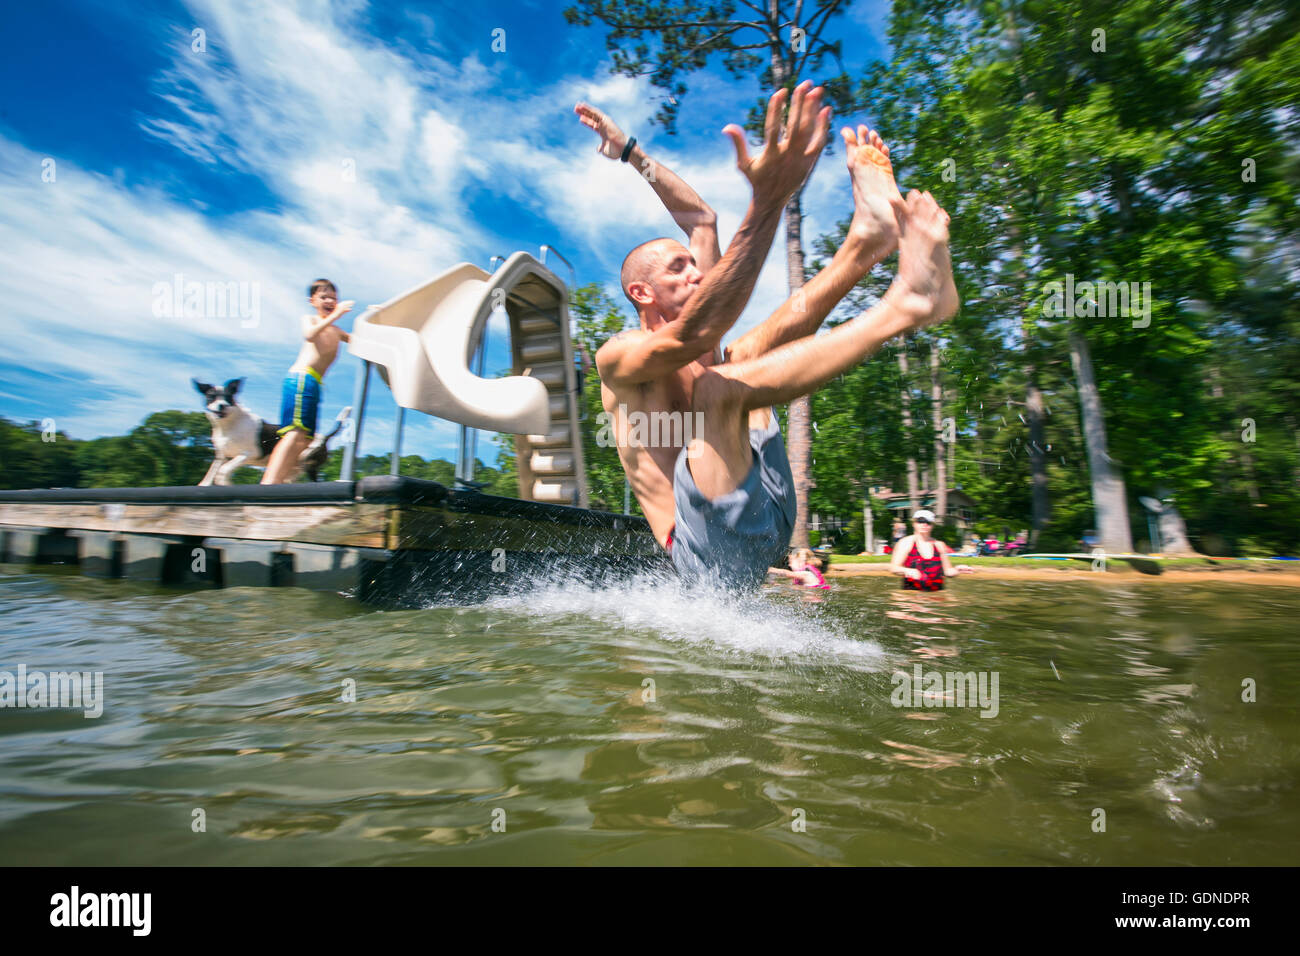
x=376 y=144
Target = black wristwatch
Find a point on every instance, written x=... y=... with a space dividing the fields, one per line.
x=627 y=150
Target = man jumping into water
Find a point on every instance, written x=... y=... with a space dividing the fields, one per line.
x=723 y=503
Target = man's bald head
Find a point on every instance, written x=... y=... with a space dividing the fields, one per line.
x=640 y=265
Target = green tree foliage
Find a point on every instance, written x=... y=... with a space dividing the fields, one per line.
x=669 y=41
x=494 y=481
x=33 y=458
x=175 y=448
x=168 y=448
x=1120 y=156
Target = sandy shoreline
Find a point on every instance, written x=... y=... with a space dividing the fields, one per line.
x=1126 y=576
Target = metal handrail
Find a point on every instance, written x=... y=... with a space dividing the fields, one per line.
x=573 y=273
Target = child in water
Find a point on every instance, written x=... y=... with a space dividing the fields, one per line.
x=804 y=570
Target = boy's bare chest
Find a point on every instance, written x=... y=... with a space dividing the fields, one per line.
x=328 y=340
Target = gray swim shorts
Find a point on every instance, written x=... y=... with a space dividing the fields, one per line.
x=733 y=540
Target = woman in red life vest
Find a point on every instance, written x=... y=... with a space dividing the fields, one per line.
x=923 y=560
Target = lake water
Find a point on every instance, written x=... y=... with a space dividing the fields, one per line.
x=646 y=725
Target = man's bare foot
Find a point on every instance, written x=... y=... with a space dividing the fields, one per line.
x=612 y=139
x=877 y=203
x=924 y=282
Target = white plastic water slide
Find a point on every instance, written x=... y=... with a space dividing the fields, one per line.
x=424 y=340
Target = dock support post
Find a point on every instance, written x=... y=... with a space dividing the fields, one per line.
x=468 y=445
x=468 y=451
x=359 y=393
x=396 y=467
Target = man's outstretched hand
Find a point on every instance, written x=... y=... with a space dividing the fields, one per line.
x=612 y=139
x=786 y=159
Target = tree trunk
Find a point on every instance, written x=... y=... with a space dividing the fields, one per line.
x=1173 y=534
x=951 y=471
x=1040 y=503
x=940 y=464
x=1243 y=459
x=1037 y=455
x=868 y=520
x=912 y=495
x=1295 y=470
x=1109 y=500
x=1248 y=468
x=799 y=414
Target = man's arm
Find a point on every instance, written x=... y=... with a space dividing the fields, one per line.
x=803 y=313
x=711 y=311
x=714 y=307
x=689 y=211
x=948 y=569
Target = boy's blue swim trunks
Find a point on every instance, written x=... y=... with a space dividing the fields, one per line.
x=734 y=540
x=300 y=401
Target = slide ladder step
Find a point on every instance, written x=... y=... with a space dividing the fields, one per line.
x=557 y=462
x=560 y=434
x=551 y=375
x=557 y=492
x=542 y=348
x=538 y=324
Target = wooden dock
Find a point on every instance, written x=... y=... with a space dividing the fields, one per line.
x=390 y=541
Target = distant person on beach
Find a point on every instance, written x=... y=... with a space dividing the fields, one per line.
x=301 y=395
x=923 y=560
x=805 y=570
x=722 y=501
x=897 y=532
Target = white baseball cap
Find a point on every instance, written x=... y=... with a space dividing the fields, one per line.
x=924 y=515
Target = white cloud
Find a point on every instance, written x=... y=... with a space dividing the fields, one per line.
x=373 y=154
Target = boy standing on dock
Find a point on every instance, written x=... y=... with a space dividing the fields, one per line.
x=300 y=403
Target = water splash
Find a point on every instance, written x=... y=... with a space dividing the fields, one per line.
x=755 y=623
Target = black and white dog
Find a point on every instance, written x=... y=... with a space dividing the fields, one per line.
x=240 y=438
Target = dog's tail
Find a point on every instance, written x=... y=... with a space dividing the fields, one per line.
x=320 y=440
x=339 y=421
x=314 y=456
